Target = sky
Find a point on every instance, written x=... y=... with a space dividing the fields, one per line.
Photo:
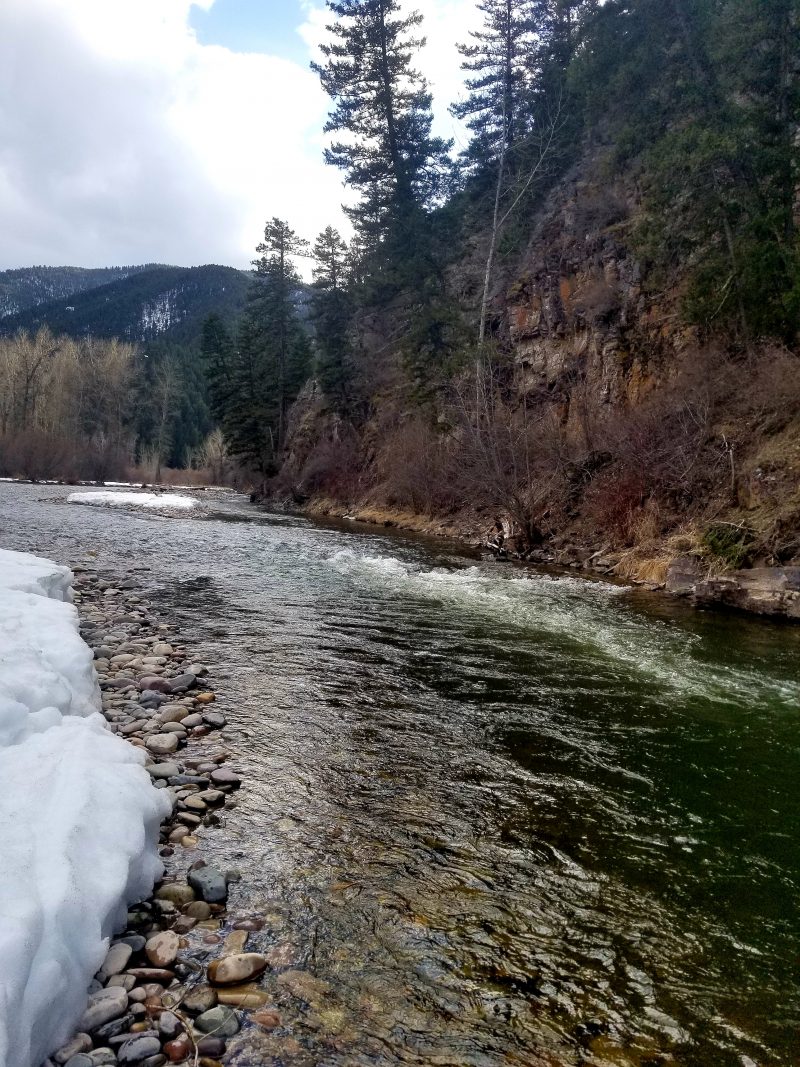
x=141 y=131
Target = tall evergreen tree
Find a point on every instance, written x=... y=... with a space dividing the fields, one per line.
x=272 y=357
x=494 y=107
x=383 y=107
x=217 y=351
x=332 y=310
x=498 y=58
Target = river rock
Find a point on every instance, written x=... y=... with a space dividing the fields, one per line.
x=155 y=683
x=267 y=1020
x=102 y=1056
x=220 y=1021
x=79 y=1043
x=162 y=648
x=246 y=997
x=200 y=999
x=177 y=893
x=81 y=1059
x=108 y=1031
x=115 y=962
x=104 y=1005
x=233 y=970
x=179 y=1049
x=162 y=744
x=138 y=1048
x=215 y=719
x=209 y=883
x=162 y=948
x=169 y=1026
x=152 y=975
x=163 y=770
x=182 y=683
x=224 y=778
x=211 y=1046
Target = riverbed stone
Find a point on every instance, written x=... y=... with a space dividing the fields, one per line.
x=79 y=1043
x=162 y=744
x=233 y=970
x=199 y=910
x=200 y=999
x=267 y=1020
x=209 y=883
x=225 y=778
x=138 y=1048
x=182 y=683
x=169 y=1026
x=104 y=1005
x=80 y=1060
x=162 y=648
x=115 y=962
x=163 y=770
x=215 y=719
x=177 y=893
x=162 y=948
x=101 y=1057
x=211 y=1046
x=221 y=1021
x=155 y=682
x=246 y=997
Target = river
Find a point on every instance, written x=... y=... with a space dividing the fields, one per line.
x=498 y=816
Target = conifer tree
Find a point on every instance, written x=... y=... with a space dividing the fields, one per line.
x=498 y=59
x=273 y=353
x=332 y=309
x=217 y=351
x=383 y=108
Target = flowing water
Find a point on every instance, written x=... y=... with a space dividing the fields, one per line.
x=491 y=816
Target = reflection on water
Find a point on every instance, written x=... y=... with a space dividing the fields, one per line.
x=490 y=817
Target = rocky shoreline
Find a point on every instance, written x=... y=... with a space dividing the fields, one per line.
x=180 y=982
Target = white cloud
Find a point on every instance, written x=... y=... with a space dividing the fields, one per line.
x=123 y=139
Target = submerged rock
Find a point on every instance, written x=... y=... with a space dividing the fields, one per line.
x=220 y=1021
x=232 y=970
x=209 y=883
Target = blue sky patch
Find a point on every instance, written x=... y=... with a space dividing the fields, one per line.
x=268 y=26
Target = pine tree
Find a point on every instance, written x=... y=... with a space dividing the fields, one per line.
x=383 y=107
x=273 y=354
x=494 y=109
x=217 y=351
x=332 y=310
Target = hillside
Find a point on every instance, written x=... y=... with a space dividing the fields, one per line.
x=149 y=303
x=604 y=373
x=29 y=287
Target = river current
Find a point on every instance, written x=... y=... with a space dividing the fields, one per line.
x=496 y=816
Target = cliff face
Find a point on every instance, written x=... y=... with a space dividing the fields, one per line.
x=579 y=315
x=644 y=440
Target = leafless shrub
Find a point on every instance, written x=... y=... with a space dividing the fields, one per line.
x=333 y=467
x=415 y=468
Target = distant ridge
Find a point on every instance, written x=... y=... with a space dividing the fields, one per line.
x=28 y=287
x=141 y=303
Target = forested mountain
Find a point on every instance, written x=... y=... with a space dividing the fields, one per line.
x=587 y=329
x=149 y=303
x=29 y=287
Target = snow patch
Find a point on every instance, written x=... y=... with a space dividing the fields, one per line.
x=79 y=817
x=139 y=500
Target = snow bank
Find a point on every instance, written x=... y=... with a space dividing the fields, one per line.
x=139 y=500
x=79 y=817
